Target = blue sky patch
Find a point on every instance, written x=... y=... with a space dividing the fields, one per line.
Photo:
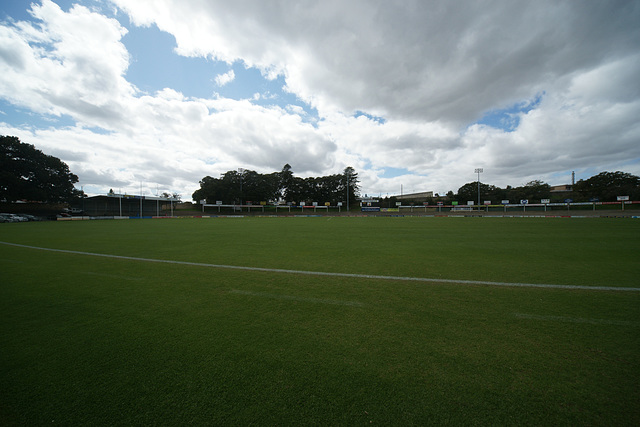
x=394 y=172
x=154 y=65
x=508 y=118
x=377 y=119
x=22 y=117
x=14 y=10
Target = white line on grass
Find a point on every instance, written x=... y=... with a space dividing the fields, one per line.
x=111 y=276
x=323 y=273
x=294 y=298
x=577 y=320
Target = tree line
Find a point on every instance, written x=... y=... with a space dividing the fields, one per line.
x=533 y=191
x=27 y=173
x=603 y=187
x=243 y=186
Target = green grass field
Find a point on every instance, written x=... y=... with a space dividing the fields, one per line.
x=93 y=340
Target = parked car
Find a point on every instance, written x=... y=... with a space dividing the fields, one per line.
x=31 y=217
x=73 y=211
x=7 y=217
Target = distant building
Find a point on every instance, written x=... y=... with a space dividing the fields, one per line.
x=418 y=197
x=565 y=188
x=114 y=204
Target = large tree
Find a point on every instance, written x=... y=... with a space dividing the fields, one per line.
x=27 y=173
x=244 y=185
x=606 y=186
x=350 y=182
x=286 y=183
x=469 y=192
x=533 y=191
x=259 y=187
x=227 y=188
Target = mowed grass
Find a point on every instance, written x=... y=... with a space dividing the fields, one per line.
x=91 y=340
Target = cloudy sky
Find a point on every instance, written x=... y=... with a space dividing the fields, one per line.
x=413 y=94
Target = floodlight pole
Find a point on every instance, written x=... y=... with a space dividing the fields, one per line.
x=478 y=171
x=347 y=193
x=240 y=172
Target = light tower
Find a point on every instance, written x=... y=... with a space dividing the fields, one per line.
x=478 y=171
x=240 y=172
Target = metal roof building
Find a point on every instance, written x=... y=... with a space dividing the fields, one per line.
x=114 y=204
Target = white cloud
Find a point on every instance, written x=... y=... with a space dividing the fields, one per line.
x=296 y=109
x=425 y=61
x=57 y=68
x=223 y=79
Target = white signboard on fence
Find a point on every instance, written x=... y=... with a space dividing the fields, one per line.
x=623 y=198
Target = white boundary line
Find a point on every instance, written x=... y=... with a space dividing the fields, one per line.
x=577 y=320
x=111 y=276
x=294 y=298
x=323 y=273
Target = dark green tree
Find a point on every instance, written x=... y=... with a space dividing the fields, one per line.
x=227 y=189
x=259 y=187
x=286 y=182
x=209 y=189
x=606 y=186
x=469 y=192
x=28 y=173
x=296 y=190
x=248 y=185
x=350 y=180
x=334 y=188
x=533 y=191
